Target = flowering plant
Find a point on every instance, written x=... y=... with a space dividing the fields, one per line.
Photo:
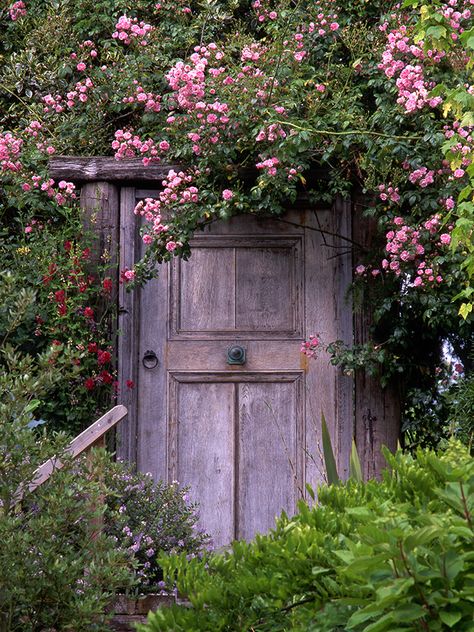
x=72 y=312
x=244 y=102
x=147 y=518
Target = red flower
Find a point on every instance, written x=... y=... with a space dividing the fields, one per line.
x=60 y=296
x=52 y=268
x=89 y=312
x=107 y=285
x=46 y=279
x=89 y=383
x=76 y=361
x=67 y=246
x=57 y=343
x=106 y=377
x=62 y=309
x=92 y=347
x=86 y=253
x=103 y=357
x=130 y=384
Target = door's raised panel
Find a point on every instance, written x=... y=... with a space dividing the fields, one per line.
x=265 y=293
x=201 y=450
x=205 y=293
x=269 y=462
x=237 y=439
x=239 y=287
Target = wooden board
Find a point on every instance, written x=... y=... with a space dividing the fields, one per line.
x=245 y=437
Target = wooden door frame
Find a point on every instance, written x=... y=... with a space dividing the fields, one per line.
x=105 y=185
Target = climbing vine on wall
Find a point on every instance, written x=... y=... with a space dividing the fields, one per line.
x=249 y=97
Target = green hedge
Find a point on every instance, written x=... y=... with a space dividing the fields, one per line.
x=392 y=555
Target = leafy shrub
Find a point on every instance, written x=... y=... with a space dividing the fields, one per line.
x=57 y=571
x=149 y=518
x=71 y=312
x=377 y=556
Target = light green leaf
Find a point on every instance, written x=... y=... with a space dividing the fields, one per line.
x=355 y=469
x=449 y=618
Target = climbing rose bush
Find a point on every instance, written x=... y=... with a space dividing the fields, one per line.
x=242 y=104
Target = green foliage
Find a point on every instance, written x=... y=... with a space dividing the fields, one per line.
x=56 y=570
x=52 y=263
x=392 y=555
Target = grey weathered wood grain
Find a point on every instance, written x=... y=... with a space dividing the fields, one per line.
x=85 y=440
x=202 y=450
x=205 y=290
x=105 y=168
x=265 y=299
x=268 y=455
x=128 y=322
x=377 y=410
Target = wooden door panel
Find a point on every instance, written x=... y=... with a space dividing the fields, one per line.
x=264 y=289
x=231 y=431
x=245 y=286
x=269 y=463
x=206 y=297
x=201 y=450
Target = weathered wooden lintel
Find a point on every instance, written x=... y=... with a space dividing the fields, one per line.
x=132 y=170
x=106 y=169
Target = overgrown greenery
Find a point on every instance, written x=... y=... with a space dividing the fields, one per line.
x=392 y=555
x=64 y=553
x=251 y=97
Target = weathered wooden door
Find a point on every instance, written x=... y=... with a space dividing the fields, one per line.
x=245 y=437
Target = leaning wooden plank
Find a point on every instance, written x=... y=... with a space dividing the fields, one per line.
x=78 y=445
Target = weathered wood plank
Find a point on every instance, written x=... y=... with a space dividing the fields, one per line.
x=377 y=409
x=269 y=454
x=82 y=442
x=128 y=322
x=201 y=451
x=204 y=292
x=84 y=169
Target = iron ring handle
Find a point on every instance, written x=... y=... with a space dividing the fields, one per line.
x=150 y=359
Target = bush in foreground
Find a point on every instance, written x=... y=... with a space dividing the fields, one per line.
x=378 y=556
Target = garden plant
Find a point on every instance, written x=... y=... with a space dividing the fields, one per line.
x=249 y=101
x=249 y=105
x=389 y=555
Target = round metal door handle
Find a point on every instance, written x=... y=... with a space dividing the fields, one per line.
x=150 y=359
x=236 y=355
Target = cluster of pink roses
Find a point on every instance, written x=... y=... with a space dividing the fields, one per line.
x=62 y=192
x=311 y=347
x=149 y=100
x=177 y=191
x=407 y=255
x=17 y=10
x=129 y=29
x=10 y=150
x=270 y=165
x=129 y=145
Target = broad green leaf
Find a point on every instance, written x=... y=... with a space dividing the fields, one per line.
x=450 y=618
x=436 y=32
x=465 y=310
x=355 y=469
x=329 y=460
x=422 y=536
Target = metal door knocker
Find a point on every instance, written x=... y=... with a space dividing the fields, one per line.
x=150 y=360
x=236 y=355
